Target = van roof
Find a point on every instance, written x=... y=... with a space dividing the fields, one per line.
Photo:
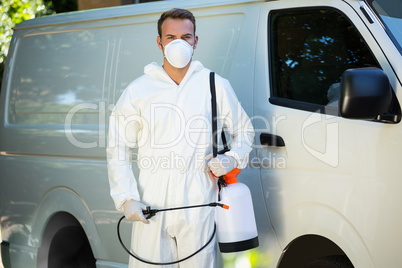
x=122 y=11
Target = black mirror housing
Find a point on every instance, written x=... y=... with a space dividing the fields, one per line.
x=365 y=93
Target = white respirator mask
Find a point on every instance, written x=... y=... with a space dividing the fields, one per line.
x=178 y=53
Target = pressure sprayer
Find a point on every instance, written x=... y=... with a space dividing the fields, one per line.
x=236 y=227
x=235 y=224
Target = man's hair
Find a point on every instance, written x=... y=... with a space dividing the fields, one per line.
x=175 y=13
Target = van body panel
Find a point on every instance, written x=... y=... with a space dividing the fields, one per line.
x=332 y=177
x=55 y=114
x=127 y=11
x=333 y=165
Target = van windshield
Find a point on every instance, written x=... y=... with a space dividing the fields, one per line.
x=390 y=12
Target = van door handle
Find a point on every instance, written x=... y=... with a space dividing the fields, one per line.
x=271 y=140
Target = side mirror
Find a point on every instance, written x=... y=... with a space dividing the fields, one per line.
x=365 y=93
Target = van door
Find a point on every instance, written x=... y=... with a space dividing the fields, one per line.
x=324 y=175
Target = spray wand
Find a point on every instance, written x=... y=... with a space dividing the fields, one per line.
x=149 y=213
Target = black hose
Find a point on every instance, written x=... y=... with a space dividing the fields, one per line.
x=161 y=263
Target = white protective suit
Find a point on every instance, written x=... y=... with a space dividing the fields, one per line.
x=171 y=124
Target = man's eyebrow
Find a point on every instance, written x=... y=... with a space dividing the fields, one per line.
x=172 y=35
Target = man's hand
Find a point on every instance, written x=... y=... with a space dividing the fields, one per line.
x=222 y=165
x=133 y=211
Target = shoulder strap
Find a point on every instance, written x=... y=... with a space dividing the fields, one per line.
x=215 y=119
x=221 y=181
x=214 y=116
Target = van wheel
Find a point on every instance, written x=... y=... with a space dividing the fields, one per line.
x=70 y=248
x=338 y=261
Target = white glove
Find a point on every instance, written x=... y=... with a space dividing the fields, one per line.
x=133 y=211
x=222 y=165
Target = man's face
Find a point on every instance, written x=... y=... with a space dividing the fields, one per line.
x=177 y=29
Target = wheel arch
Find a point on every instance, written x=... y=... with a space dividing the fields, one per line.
x=319 y=230
x=59 y=208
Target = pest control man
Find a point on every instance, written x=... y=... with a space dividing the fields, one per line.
x=166 y=113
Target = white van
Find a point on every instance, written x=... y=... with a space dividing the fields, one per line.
x=320 y=79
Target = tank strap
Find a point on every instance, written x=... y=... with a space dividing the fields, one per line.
x=221 y=181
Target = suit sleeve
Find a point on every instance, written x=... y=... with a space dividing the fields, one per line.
x=124 y=125
x=236 y=122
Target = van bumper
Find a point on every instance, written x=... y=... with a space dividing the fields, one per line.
x=5 y=254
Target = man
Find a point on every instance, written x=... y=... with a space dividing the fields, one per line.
x=167 y=112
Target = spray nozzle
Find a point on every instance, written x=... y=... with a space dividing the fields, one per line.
x=219 y=205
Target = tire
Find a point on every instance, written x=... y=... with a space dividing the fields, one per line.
x=337 y=261
x=70 y=249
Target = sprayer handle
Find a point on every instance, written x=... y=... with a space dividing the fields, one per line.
x=149 y=213
x=231 y=177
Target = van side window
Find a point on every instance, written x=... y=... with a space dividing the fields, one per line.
x=61 y=71
x=309 y=51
